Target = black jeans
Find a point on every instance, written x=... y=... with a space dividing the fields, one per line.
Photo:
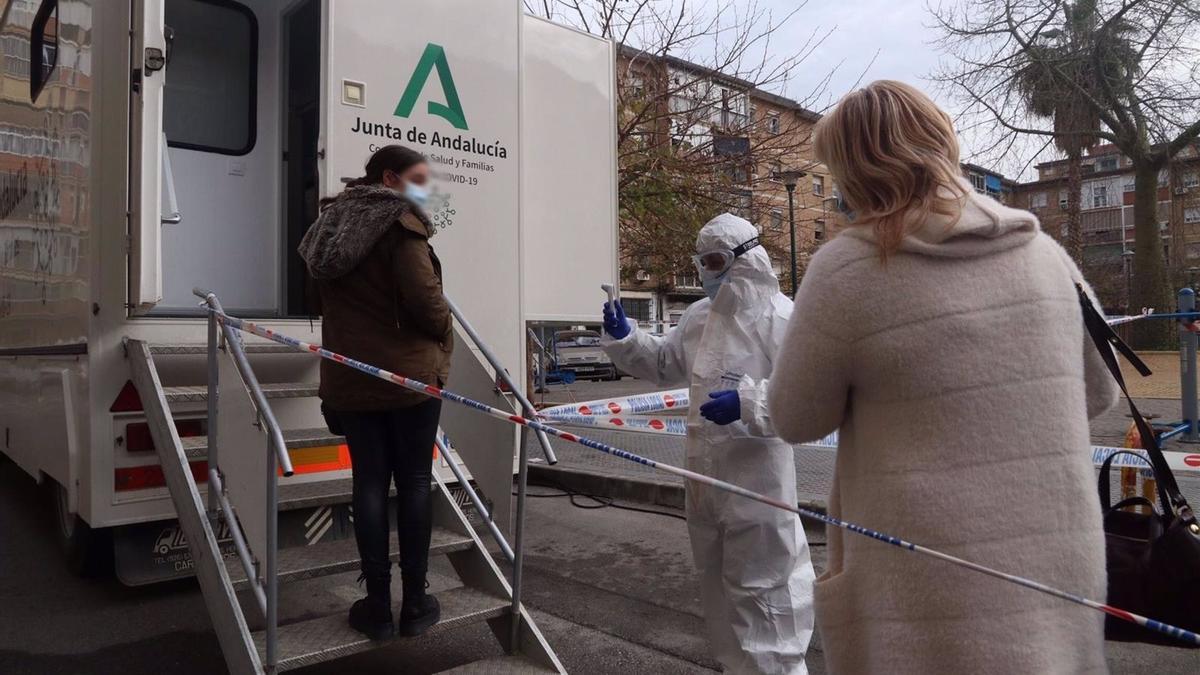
x=387 y=445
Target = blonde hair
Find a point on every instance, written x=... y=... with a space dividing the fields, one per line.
x=895 y=158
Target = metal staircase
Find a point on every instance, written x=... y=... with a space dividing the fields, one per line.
x=246 y=452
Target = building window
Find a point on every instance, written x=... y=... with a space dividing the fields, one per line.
x=1062 y=199
x=43 y=47
x=1038 y=200
x=773 y=122
x=1109 y=163
x=1191 y=215
x=819 y=186
x=1193 y=251
x=978 y=182
x=1191 y=180
x=776 y=219
x=819 y=230
x=1130 y=184
x=731 y=114
x=210 y=98
x=1099 y=196
x=776 y=168
x=637 y=309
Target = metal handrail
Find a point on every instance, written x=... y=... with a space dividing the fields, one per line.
x=234 y=341
x=217 y=487
x=518 y=556
x=276 y=453
x=504 y=376
x=480 y=507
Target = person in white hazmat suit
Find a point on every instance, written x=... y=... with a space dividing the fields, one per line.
x=753 y=559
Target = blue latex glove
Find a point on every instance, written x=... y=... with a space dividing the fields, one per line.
x=614 y=320
x=724 y=408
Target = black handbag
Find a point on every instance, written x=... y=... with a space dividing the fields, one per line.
x=1153 y=558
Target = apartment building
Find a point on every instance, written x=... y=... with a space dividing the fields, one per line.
x=990 y=183
x=1107 y=216
x=752 y=139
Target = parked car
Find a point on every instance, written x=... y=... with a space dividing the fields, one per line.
x=579 y=351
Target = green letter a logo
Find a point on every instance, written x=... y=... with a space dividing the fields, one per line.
x=451 y=111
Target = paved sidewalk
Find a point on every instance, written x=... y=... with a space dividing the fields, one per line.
x=1162 y=383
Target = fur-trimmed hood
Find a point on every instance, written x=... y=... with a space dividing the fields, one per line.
x=350 y=226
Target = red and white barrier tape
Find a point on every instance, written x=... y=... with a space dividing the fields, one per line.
x=640 y=404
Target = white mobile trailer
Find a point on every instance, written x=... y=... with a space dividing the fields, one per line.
x=151 y=146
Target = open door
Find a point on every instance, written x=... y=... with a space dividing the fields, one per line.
x=148 y=55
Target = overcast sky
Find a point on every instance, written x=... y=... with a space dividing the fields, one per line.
x=892 y=32
x=861 y=28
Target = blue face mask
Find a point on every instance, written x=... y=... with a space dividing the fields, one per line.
x=417 y=194
x=712 y=286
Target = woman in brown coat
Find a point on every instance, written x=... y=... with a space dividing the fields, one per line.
x=378 y=285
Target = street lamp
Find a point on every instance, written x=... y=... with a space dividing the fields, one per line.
x=789 y=179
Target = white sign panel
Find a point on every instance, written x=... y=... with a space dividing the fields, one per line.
x=441 y=79
x=568 y=151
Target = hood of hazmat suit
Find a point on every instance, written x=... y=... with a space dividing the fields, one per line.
x=753 y=559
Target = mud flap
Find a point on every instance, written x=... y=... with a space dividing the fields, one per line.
x=148 y=553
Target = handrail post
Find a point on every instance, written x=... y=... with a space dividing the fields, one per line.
x=214 y=499
x=518 y=548
x=271 y=577
x=1187 y=370
x=504 y=376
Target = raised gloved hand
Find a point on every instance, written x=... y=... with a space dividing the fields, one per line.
x=614 y=320
x=724 y=408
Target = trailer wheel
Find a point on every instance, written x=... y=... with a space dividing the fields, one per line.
x=88 y=552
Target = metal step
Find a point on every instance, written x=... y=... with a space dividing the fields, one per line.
x=196 y=447
x=330 y=637
x=335 y=557
x=199 y=393
x=501 y=665
x=188 y=348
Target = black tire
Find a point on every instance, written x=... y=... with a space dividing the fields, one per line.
x=88 y=552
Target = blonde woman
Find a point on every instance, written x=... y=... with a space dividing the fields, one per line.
x=941 y=335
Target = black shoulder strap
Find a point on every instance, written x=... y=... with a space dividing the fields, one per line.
x=1106 y=340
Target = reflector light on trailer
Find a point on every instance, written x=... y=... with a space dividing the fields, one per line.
x=127 y=400
x=151 y=476
x=319 y=459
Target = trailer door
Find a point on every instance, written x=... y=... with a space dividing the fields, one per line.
x=148 y=60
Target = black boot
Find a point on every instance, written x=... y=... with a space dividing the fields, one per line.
x=419 y=611
x=372 y=615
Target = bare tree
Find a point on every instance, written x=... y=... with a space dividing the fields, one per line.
x=691 y=140
x=1132 y=67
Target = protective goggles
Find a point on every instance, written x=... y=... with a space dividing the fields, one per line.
x=719 y=261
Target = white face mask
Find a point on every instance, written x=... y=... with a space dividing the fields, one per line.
x=417 y=194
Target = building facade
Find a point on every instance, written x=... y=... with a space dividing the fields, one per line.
x=1107 y=217
x=754 y=140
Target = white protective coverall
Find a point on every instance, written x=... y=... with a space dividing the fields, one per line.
x=753 y=559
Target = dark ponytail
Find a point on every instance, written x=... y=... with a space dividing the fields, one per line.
x=394 y=158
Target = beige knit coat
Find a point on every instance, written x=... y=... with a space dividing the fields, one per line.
x=961 y=381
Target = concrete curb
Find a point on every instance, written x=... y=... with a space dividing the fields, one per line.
x=620 y=486
x=605 y=484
